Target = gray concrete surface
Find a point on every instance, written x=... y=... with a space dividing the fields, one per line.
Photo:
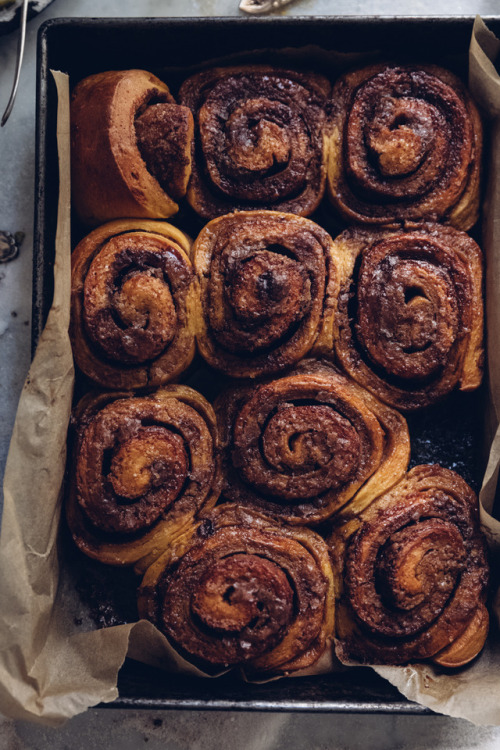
x=127 y=730
x=130 y=730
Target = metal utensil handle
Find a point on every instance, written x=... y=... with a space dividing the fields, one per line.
x=19 y=61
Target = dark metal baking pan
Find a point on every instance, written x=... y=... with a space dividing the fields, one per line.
x=450 y=433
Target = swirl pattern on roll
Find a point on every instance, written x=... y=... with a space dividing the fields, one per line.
x=409 y=321
x=133 y=304
x=309 y=445
x=266 y=281
x=405 y=147
x=143 y=468
x=131 y=147
x=243 y=590
x=412 y=575
x=259 y=140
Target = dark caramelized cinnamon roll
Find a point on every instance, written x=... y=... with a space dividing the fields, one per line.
x=131 y=147
x=307 y=445
x=266 y=281
x=143 y=468
x=409 y=321
x=411 y=575
x=260 y=139
x=241 y=589
x=405 y=147
x=133 y=304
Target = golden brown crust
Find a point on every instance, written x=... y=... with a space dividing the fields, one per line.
x=411 y=574
x=143 y=467
x=468 y=645
x=266 y=281
x=307 y=445
x=119 y=170
x=405 y=147
x=409 y=321
x=241 y=589
x=134 y=304
x=260 y=139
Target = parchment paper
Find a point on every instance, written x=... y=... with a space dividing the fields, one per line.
x=51 y=665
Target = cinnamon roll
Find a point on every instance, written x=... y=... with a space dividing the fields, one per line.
x=405 y=147
x=409 y=319
x=143 y=467
x=260 y=139
x=412 y=574
x=309 y=445
x=131 y=147
x=240 y=589
x=134 y=304
x=266 y=281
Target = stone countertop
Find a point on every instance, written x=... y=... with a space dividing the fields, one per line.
x=173 y=729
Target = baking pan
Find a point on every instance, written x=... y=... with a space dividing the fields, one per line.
x=449 y=433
